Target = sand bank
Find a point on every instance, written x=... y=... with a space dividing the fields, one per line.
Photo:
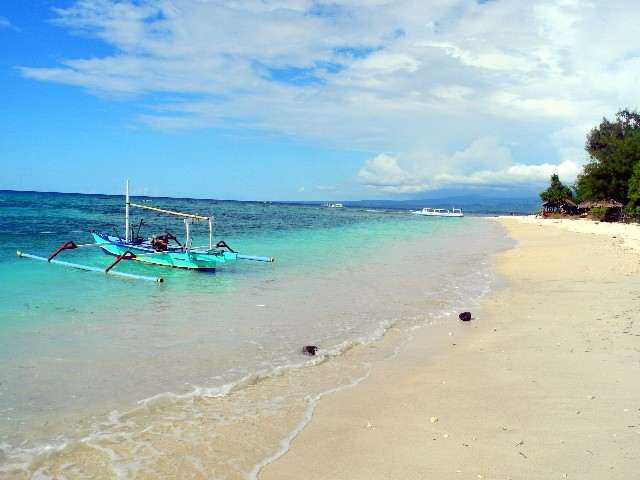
x=544 y=382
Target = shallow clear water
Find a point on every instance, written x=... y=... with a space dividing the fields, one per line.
x=101 y=375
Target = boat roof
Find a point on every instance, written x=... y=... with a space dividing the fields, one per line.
x=170 y=212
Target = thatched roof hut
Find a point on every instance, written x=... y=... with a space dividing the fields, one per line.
x=564 y=207
x=587 y=205
x=611 y=213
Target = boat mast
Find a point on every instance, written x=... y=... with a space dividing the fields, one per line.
x=210 y=233
x=187 y=224
x=126 y=214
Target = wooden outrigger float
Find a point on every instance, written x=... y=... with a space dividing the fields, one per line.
x=91 y=269
x=156 y=249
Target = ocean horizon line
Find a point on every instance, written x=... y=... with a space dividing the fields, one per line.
x=472 y=203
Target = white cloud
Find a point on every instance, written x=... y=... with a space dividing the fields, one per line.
x=383 y=170
x=484 y=164
x=439 y=80
x=4 y=23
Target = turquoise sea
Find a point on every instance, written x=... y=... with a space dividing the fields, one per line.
x=202 y=376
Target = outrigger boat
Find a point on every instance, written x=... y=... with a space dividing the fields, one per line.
x=156 y=249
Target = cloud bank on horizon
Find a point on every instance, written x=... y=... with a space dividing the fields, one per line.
x=437 y=94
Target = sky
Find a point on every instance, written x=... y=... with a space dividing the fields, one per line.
x=296 y=100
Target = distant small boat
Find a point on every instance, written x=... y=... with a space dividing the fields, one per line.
x=438 y=212
x=333 y=205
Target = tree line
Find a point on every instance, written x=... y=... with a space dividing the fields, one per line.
x=613 y=169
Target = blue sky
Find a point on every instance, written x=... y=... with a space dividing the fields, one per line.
x=304 y=100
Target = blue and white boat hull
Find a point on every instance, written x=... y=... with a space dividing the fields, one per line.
x=178 y=257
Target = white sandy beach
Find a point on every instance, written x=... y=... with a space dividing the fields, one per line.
x=543 y=382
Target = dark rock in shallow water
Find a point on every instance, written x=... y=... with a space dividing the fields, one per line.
x=309 y=349
x=465 y=316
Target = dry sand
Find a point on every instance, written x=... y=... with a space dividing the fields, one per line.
x=543 y=382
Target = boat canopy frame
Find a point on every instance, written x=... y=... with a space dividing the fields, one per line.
x=188 y=218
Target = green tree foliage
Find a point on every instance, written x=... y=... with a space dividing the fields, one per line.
x=634 y=190
x=614 y=149
x=556 y=191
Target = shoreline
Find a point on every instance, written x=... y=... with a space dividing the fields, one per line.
x=542 y=384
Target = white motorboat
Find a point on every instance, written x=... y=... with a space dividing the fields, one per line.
x=438 y=212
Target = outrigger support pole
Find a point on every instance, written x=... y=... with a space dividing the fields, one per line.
x=223 y=244
x=128 y=255
x=68 y=245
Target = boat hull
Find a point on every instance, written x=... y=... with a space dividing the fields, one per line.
x=420 y=214
x=438 y=212
x=200 y=260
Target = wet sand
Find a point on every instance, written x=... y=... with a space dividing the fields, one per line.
x=543 y=382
